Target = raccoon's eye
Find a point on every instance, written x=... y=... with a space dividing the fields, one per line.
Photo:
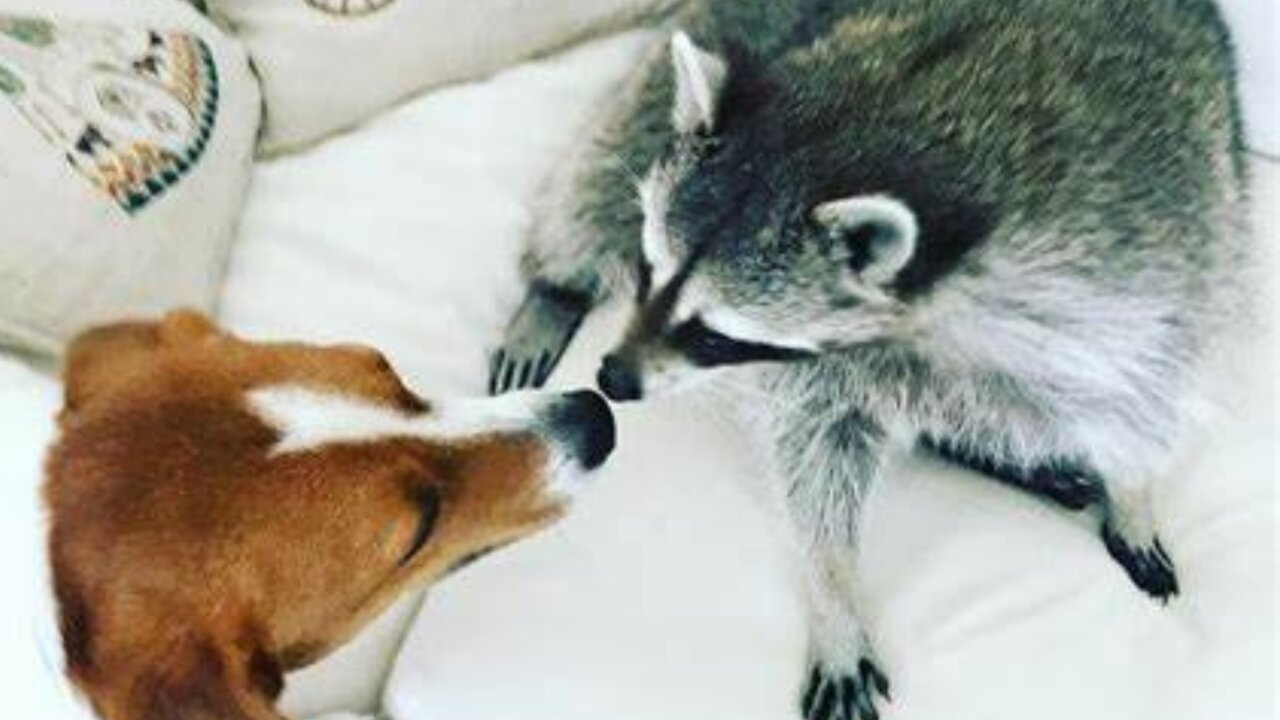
x=707 y=348
x=701 y=344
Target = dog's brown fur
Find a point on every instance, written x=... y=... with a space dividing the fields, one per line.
x=192 y=566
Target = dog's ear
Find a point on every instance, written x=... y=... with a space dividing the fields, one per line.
x=98 y=357
x=205 y=684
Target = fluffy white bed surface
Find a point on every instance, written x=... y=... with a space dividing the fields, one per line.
x=666 y=596
x=28 y=402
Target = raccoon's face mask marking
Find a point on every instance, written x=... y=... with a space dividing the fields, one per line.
x=683 y=350
x=737 y=267
x=699 y=81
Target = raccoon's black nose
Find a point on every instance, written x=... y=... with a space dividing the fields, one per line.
x=583 y=421
x=619 y=379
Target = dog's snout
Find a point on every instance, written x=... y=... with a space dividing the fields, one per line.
x=619 y=379
x=584 y=422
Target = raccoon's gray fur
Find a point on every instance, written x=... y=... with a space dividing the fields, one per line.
x=1007 y=229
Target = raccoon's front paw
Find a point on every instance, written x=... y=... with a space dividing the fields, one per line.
x=536 y=338
x=843 y=693
x=1146 y=562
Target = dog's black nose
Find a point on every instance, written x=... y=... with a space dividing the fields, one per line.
x=619 y=379
x=583 y=421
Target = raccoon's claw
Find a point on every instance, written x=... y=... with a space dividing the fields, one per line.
x=536 y=338
x=513 y=373
x=830 y=695
x=1149 y=567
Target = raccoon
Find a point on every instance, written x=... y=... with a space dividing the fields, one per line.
x=1009 y=231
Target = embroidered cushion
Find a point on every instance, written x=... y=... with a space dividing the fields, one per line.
x=329 y=64
x=125 y=149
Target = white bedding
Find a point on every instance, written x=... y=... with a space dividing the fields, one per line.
x=665 y=597
x=30 y=679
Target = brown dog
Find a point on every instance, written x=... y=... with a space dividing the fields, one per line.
x=223 y=511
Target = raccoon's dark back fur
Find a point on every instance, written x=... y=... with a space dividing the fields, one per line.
x=1063 y=114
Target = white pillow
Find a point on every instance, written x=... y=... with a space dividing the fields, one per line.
x=329 y=64
x=28 y=403
x=125 y=150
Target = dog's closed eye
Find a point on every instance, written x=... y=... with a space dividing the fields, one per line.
x=428 y=501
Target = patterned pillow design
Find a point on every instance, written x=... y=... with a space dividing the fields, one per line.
x=126 y=146
x=131 y=108
x=349 y=7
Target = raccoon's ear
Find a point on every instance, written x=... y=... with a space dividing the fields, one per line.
x=877 y=234
x=700 y=78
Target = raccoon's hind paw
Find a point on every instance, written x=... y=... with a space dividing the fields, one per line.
x=831 y=694
x=1147 y=564
x=536 y=338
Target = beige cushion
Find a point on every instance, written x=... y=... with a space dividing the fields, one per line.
x=125 y=149
x=329 y=64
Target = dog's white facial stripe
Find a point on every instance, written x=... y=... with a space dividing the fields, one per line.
x=307 y=419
